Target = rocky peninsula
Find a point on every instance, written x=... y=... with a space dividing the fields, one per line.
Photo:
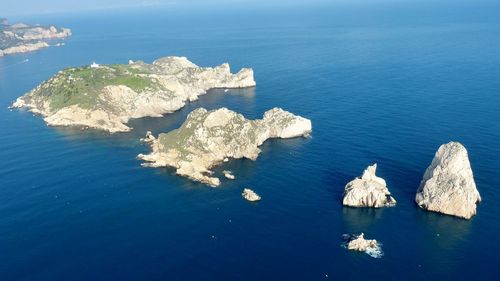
x=207 y=138
x=368 y=191
x=106 y=97
x=21 y=38
x=448 y=185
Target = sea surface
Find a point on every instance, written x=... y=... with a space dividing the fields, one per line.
x=384 y=83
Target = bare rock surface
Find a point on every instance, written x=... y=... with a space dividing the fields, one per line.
x=250 y=195
x=360 y=244
x=448 y=185
x=368 y=191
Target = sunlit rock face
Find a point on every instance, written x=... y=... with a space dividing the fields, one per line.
x=448 y=185
x=208 y=138
x=106 y=97
x=368 y=191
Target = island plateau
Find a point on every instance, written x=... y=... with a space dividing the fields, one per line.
x=106 y=97
x=21 y=38
x=207 y=138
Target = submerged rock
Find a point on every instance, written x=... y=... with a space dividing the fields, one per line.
x=106 y=97
x=368 y=191
x=360 y=244
x=448 y=185
x=250 y=195
x=206 y=138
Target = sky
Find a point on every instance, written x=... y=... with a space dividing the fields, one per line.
x=27 y=7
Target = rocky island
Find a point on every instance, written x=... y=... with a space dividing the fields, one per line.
x=207 y=138
x=106 y=97
x=21 y=38
x=448 y=185
x=358 y=243
x=368 y=191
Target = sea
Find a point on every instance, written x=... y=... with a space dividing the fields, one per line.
x=384 y=82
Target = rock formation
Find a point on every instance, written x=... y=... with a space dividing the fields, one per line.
x=228 y=175
x=206 y=138
x=250 y=195
x=368 y=191
x=448 y=185
x=107 y=96
x=360 y=244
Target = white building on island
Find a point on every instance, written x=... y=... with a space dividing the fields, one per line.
x=94 y=65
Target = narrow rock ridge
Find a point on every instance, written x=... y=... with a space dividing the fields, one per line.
x=106 y=97
x=448 y=185
x=368 y=191
x=207 y=138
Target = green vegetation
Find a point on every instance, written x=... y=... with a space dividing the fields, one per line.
x=83 y=85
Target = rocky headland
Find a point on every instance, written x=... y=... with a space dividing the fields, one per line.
x=21 y=38
x=448 y=185
x=208 y=138
x=368 y=191
x=106 y=97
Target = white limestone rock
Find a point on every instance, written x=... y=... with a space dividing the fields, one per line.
x=360 y=244
x=448 y=185
x=250 y=195
x=368 y=191
x=108 y=96
x=207 y=138
x=228 y=175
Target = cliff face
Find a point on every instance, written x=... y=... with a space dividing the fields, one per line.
x=448 y=184
x=206 y=138
x=106 y=97
x=21 y=38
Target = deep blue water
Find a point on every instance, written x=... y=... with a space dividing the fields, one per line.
x=384 y=83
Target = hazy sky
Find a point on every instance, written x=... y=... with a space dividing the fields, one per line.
x=23 y=7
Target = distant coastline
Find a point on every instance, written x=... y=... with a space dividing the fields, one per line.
x=22 y=38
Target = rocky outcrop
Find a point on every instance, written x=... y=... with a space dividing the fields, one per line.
x=368 y=191
x=106 y=97
x=448 y=185
x=206 y=138
x=360 y=244
x=250 y=195
x=228 y=175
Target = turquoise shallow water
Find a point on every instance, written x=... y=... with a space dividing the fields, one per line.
x=385 y=84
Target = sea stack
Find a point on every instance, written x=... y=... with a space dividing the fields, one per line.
x=448 y=185
x=368 y=191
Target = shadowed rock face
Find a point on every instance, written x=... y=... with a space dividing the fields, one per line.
x=448 y=185
x=368 y=191
x=106 y=97
x=207 y=138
